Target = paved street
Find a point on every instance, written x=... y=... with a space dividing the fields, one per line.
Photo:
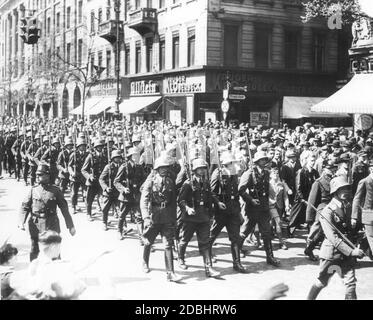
x=122 y=267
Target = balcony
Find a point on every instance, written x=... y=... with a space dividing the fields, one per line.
x=143 y=20
x=108 y=30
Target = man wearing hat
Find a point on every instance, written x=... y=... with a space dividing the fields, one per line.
x=195 y=204
x=25 y=162
x=41 y=205
x=109 y=192
x=93 y=165
x=63 y=163
x=158 y=209
x=288 y=173
x=50 y=156
x=360 y=170
x=335 y=253
x=318 y=198
x=76 y=161
x=254 y=190
x=128 y=181
x=224 y=187
x=362 y=206
x=33 y=147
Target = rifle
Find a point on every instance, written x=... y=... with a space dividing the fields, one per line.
x=109 y=161
x=125 y=156
x=50 y=146
x=252 y=167
x=74 y=140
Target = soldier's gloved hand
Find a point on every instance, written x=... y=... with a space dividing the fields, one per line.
x=222 y=206
x=126 y=190
x=255 y=202
x=357 y=253
x=290 y=192
x=72 y=231
x=190 y=211
x=353 y=223
x=109 y=190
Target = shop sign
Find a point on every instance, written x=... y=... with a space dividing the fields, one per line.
x=237 y=97
x=183 y=84
x=257 y=118
x=142 y=88
x=104 y=88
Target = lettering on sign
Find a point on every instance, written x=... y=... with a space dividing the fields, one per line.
x=180 y=84
x=104 y=88
x=257 y=118
x=144 y=88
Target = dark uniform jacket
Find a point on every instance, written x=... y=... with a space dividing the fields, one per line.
x=304 y=182
x=41 y=204
x=333 y=247
x=110 y=172
x=16 y=149
x=93 y=165
x=195 y=194
x=9 y=141
x=80 y=158
x=39 y=153
x=24 y=146
x=362 y=206
x=51 y=156
x=63 y=164
x=31 y=151
x=359 y=171
x=158 y=199
x=130 y=175
x=319 y=197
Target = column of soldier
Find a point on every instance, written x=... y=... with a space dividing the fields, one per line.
x=180 y=180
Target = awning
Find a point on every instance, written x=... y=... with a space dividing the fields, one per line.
x=102 y=105
x=355 y=97
x=90 y=104
x=300 y=107
x=136 y=104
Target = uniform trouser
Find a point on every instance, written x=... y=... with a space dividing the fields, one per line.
x=344 y=268
x=107 y=201
x=4 y=162
x=75 y=185
x=369 y=234
x=297 y=215
x=316 y=234
x=63 y=184
x=256 y=216
x=179 y=224
x=231 y=222
x=202 y=229
x=92 y=192
x=18 y=168
x=1 y=164
x=33 y=174
x=26 y=168
x=11 y=162
x=124 y=208
x=53 y=175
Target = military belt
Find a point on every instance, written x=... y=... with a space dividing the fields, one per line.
x=162 y=205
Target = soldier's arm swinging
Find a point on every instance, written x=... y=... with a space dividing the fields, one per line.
x=26 y=209
x=245 y=180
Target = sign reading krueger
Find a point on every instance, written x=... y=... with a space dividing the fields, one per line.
x=139 y=88
x=184 y=84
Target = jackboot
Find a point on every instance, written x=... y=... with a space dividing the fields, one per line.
x=309 y=250
x=314 y=292
x=140 y=230
x=181 y=257
x=169 y=261
x=145 y=258
x=237 y=266
x=269 y=253
x=209 y=270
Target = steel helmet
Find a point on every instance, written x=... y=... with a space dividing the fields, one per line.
x=161 y=162
x=136 y=138
x=45 y=138
x=37 y=136
x=109 y=139
x=99 y=143
x=198 y=163
x=68 y=141
x=260 y=155
x=115 y=154
x=131 y=152
x=337 y=183
x=227 y=160
x=55 y=140
x=80 y=141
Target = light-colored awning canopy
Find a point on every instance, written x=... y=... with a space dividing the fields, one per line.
x=355 y=97
x=300 y=107
x=95 y=105
x=136 y=104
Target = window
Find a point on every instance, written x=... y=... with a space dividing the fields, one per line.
x=80 y=11
x=108 y=63
x=262 y=46
x=108 y=11
x=68 y=52
x=149 y=55
x=127 y=59
x=100 y=59
x=48 y=26
x=175 y=51
x=162 y=54
x=162 y=3
x=58 y=16
x=137 y=4
x=138 y=58
x=231 y=45
x=291 y=49
x=191 y=48
x=319 y=51
x=92 y=21
x=68 y=14
x=99 y=16
x=58 y=57
x=80 y=51
x=149 y=3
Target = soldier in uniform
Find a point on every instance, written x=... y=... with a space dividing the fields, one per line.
x=25 y=161
x=16 y=150
x=254 y=190
x=335 y=252
x=41 y=204
x=41 y=150
x=158 y=208
x=63 y=163
x=76 y=162
x=9 y=141
x=224 y=187
x=50 y=156
x=31 y=150
x=362 y=207
x=93 y=165
x=195 y=203
x=360 y=170
x=319 y=197
x=110 y=193
x=128 y=182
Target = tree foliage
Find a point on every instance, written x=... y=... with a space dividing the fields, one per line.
x=350 y=10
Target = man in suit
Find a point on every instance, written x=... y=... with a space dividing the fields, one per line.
x=335 y=253
x=289 y=171
x=362 y=206
x=360 y=170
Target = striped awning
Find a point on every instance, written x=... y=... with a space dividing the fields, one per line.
x=355 y=97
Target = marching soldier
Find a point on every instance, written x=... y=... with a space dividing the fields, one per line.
x=41 y=150
x=224 y=187
x=25 y=161
x=158 y=208
x=41 y=204
x=31 y=151
x=110 y=193
x=63 y=163
x=128 y=182
x=195 y=202
x=9 y=141
x=93 y=165
x=335 y=252
x=360 y=170
x=76 y=162
x=16 y=150
x=254 y=190
x=50 y=156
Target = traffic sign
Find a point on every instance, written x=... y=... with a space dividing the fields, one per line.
x=225 y=106
x=237 y=97
x=240 y=88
